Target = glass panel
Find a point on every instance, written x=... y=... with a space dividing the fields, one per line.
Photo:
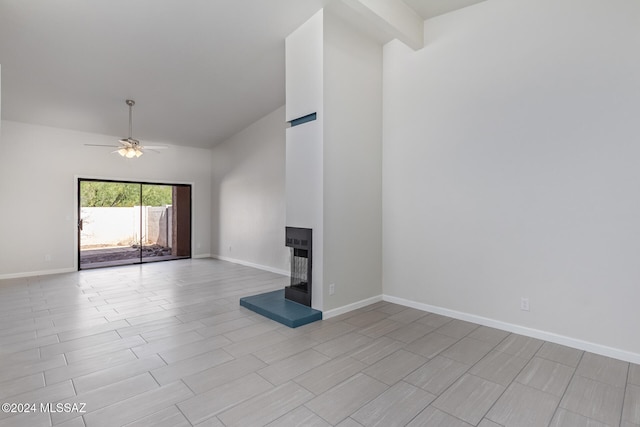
x=109 y=231
x=299 y=269
x=157 y=222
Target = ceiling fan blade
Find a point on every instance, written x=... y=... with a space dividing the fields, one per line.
x=156 y=147
x=125 y=142
x=100 y=145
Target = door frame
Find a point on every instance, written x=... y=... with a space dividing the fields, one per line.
x=77 y=210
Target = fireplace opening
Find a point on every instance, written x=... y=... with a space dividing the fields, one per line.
x=299 y=289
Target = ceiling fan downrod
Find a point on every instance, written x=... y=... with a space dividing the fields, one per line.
x=133 y=149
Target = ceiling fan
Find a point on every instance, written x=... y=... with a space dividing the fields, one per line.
x=130 y=147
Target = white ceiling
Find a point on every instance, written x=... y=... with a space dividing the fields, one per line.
x=199 y=70
x=430 y=8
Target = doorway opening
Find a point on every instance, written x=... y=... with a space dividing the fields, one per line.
x=124 y=222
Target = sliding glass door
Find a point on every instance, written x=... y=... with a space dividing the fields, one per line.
x=132 y=222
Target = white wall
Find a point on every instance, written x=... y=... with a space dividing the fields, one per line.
x=304 y=143
x=352 y=164
x=510 y=165
x=248 y=206
x=333 y=181
x=38 y=170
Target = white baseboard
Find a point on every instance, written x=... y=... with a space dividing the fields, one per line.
x=602 y=350
x=200 y=256
x=36 y=273
x=350 y=307
x=251 y=264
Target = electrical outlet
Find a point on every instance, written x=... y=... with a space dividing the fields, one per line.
x=524 y=304
x=332 y=289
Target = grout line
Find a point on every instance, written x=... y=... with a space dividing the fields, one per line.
x=624 y=394
x=185 y=415
x=568 y=385
x=555 y=361
x=514 y=378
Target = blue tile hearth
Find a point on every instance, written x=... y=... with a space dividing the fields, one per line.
x=274 y=306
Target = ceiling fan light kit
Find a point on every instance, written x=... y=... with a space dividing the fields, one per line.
x=129 y=152
x=130 y=147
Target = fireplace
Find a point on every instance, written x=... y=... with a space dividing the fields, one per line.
x=299 y=240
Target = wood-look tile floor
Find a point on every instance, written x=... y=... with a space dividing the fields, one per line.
x=167 y=344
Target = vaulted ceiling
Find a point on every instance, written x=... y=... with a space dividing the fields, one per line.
x=199 y=70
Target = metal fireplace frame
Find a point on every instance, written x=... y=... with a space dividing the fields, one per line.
x=300 y=241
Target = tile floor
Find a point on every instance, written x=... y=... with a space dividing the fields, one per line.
x=167 y=344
